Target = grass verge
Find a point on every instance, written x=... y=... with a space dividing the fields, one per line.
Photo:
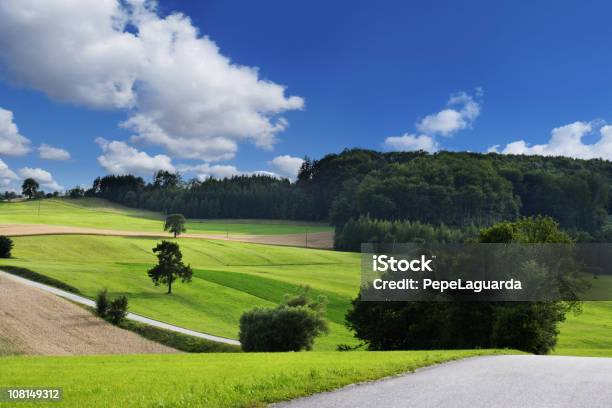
x=178 y=341
x=210 y=380
x=37 y=277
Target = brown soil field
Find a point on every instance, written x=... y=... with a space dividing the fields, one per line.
x=34 y=322
x=321 y=240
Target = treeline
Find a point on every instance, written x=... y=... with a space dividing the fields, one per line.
x=365 y=230
x=454 y=189
x=237 y=197
x=458 y=189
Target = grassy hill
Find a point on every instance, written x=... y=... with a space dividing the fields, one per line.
x=209 y=380
x=102 y=214
x=229 y=277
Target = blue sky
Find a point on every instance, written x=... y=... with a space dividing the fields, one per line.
x=530 y=77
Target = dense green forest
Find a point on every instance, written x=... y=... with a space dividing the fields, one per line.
x=456 y=189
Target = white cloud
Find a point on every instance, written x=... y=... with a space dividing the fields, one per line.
x=567 y=141
x=409 y=142
x=212 y=149
x=52 y=153
x=286 y=165
x=44 y=178
x=11 y=142
x=120 y=158
x=181 y=92
x=205 y=171
x=462 y=109
x=7 y=176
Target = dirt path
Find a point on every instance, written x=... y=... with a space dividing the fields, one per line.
x=321 y=240
x=35 y=322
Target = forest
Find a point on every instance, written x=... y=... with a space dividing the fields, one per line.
x=450 y=189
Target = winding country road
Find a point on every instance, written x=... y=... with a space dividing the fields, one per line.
x=132 y=316
x=495 y=381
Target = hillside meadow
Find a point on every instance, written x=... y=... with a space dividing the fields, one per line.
x=102 y=214
x=229 y=278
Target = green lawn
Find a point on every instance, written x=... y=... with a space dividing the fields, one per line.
x=97 y=213
x=209 y=380
x=229 y=277
x=589 y=333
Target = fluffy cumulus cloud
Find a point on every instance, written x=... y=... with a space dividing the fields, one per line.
x=43 y=177
x=180 y=91
x=286 y=166
x=120 y=158
x=11 y=142
x=567 y=141
x=52 y=153
x=409 y=142
x=461 y=111
x=7 y=176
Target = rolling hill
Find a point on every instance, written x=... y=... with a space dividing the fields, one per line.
x=102 y=214
x=229 y=277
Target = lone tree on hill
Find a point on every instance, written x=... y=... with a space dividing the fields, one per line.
x=29 y=187
x=170 y=266
x=175 y=223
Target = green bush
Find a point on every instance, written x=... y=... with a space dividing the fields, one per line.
x=6 y=245
x=112 y=310
x=102 y=304
x=117 y=310
x=292 y=326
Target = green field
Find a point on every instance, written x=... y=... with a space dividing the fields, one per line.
x=97 y=213
x=209 y=380
x=589 y=333
x=229 y=277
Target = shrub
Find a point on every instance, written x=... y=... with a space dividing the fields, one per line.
x=112 y=310
x=117 y=310
x=102 y=304
x=6 y=245
x=292 y=326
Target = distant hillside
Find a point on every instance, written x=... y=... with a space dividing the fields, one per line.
x=454 y=188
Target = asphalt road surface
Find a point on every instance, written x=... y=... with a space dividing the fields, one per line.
x=523 y=381
x=132 y=316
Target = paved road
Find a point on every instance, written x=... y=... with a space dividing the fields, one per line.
x=132 y=316
x=487 y=382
